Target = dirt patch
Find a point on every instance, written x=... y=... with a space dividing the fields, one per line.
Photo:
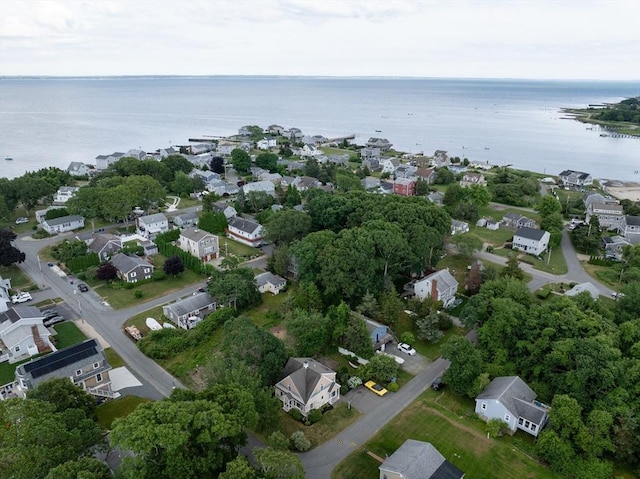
x=328 y=362
x=279 y=332
x=199 y=381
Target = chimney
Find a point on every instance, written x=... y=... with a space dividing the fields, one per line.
x=305 y=364
x=434 y=289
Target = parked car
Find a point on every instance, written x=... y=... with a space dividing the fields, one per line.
x=405 y=348
x=49 y=313
x=83 y=287
x=437 y=384
x=51 y=321
x=617 y=295
x=22 y=220
x=375 y=388
x=21 y=298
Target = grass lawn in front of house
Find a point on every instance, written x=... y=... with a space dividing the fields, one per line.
x=121 y=407
x=113 y=358
x=556 y=265
x=139 y=319
x=494 y=237
x=19 y=280
x=447 y=424
x=332 y=423
x=497 y=212
x=457 y=265
x=67 y=335
x=232 y=247
x=338 y=151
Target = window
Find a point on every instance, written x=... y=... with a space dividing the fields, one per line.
x=78 y=372
x=96 y=365
x=133 y=274
x=507 y=418
x=534 y=427
x=527 y=424
x=17 y=348
x=520 y=421
x=99 y=377
x=483 y=406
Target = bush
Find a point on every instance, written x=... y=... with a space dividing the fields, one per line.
x=407 y=337
x=138 y=294
x=279 y=441
x=393 y=387
x=314 y=416
x=299 y=442
x=543 y=293
x=295 y=414
x=354 y=382
x=344 y=389
x=158 y=275
x=82 y=276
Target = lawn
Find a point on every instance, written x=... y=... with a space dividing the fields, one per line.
x=116 y=408
x=230 y=246
x=332 y=422
x=265 y=315
x=556 y=265
x=139 y=319
x=457 y=265
x=19 y=280
x=338 y=151
x=68 y=334
x=494 y=237
x=498 y=212
x=113 y=358
x=446 y=422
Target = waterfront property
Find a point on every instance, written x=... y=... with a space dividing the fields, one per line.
x=531 y=241
x=306 y=385
x=64 y=193
x=63 y=224
x=77 y=168
x=469 y=179
x=630 y=228
x=418 y=460
x=575 y=178
x=609 y=214
x=511 y=400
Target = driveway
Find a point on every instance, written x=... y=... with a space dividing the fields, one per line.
x=412 y=364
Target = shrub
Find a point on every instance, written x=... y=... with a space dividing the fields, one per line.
x=344 y=389
x=138 y=294
x=543 y=293
x=354 y=382
x=158 y=275
x=407 y=337
x=82 y=277
x=299 y=442
x=314 y=416
x=393 y=387
x=295 y=414
x=279 y=441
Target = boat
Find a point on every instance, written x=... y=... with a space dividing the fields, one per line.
x=8 y=158
x=168 y=326
x=378 y=131
x=134 y=332
x=152 y=324
x=487 y=148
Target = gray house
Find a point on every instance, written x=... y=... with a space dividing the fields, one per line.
x=418 y=460
x=515 y=220
x=190 y=311
x=105 y=245
x=306 y=385
x=630 y=228
x=509 y=399
x=132 y=268
x=186 y=219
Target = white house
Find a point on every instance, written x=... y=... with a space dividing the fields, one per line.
x=266 y=143
x=306 y=385
x=199 y=243
x=77 y=168
x=189 y=312
x=575 y=178
x=440 y=286
x=270 y=282
x=150 y=225
x=459 y=227
x=245 y=231
x=265 y=186
x=509 y=399
x=225 y=148
x=469 y=179
x=609 y=214
x=389 y=165
x=62 y=224
x=103 y=161
x=531 y=241
x=5 y=296
x=22 y=334
x=64 y=193
x=630 y=228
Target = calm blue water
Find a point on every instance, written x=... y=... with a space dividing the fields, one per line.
x=50 y=122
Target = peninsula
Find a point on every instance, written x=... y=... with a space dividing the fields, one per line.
x=621 y=118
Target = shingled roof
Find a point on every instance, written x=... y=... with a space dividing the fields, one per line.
x=305 y=378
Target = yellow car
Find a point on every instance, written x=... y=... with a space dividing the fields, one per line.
x=375 y=388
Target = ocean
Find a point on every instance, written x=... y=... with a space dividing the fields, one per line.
x=53 y=121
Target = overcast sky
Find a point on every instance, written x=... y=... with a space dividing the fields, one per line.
x=577 y=39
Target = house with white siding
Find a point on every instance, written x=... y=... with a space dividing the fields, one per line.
x=199 y=243
x=440 y=286
x=63 y=224
x=150 y=225
x=306 y=385
x=531 y=241
x=270 y=282
x=188 y=312
x=245 y=231
x=22 y=334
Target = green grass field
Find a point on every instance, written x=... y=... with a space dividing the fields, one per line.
x=462 y=439
x=19 y=280
x=333 y=421
x=116 y=408
x=67 y=335
x=556 y=264
x=113 y=358
x=230 y=246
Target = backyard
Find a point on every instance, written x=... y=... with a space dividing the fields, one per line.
x=111 y=410
x=332 y=422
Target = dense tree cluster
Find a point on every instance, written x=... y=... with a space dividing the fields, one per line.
x=512 y=187
x=31 y=188
x=9 y=254
x=576 y=353
x=627 y=111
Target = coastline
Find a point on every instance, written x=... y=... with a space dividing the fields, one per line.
x=622 y=190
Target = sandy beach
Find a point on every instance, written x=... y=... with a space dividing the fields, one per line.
x=623 y=190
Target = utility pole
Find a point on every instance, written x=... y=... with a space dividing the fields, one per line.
x=549 y=256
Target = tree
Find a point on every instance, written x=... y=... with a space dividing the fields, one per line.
x=83 y=468
x=63 y=394
x=217 y=165
x=478 y=195
x=35 y=438
x=512 y=269
x=549 y=205
x=429 y=328
x=381 y=368
x=444 y=176
x=368 y=306
x=214 y=223
x=466 y=211
x=390 y=307
x=466 y=364
x=32 y=189
x=287 y=226
x=473 y=280
x=356 y=337
x=236 y=287
x=467 y=244
x=183 y=185
x=239 y=468
x=178 y=438
x=279 y=441
x=173 y=265
x=553 y=223
x=240 y=160
x=268 y=161
x=310 y=331
x=230 y=261
x=422 y=188
x=292 y=197
x=177 y=163
x=107 y=272
x=276 y=464
x=68 y=250
x=453 y=195
x=299 y=442
x=9 y=254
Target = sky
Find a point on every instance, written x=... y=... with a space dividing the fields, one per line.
x=571 y=39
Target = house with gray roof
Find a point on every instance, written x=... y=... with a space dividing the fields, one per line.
x=270 y=282
x=418 y=460
x=516 y=220
x=511 y=400
x=531 y=241
x=575 y=178
x=265 y=186
x=105 y=245
x=63 y=224
x=459 y=227
x=306 y=385
x=199 y=243
x=581 y=288
x=245 y=231
x=436 y=198
x=84 y=363
x=77 y=168
x=609 y=214
x=132 y=268
x=381 y=143
x=630 y=228
x=187 y=313
x=186 y=219
x=150 y=225
x=225 y=208
x=22 y=334
x=439 y=286
x=103 y=161
x=304 y=183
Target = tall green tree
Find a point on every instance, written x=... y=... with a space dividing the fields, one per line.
x=276 y=464
x=466 y=364
x=9 y=254
x=240 y=160
x=215 y=223
x=63 y=394
x=268 y=161
x=83 y=468
x=467 y=244
x=287 y=226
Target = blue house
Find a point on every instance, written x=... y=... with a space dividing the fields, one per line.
x=380 y=334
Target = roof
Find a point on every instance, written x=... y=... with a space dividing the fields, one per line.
x=420 y=460
x=20 y=312
x=632 y=220
x=516 y=396
x=62 y=360
x=101 y=240
x=442 y=276
x=245 y=225
x=305 y=378
x=63 y=220
x=191 y=303
x=195 y=234
x=580 y=174
x=125 y=263
x=579 y=288
x=187 y=216
x=608 y=207
x=269 y=278
x=156 y=218
x=530 y=233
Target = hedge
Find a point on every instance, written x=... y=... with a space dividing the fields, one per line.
x=81 y=263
